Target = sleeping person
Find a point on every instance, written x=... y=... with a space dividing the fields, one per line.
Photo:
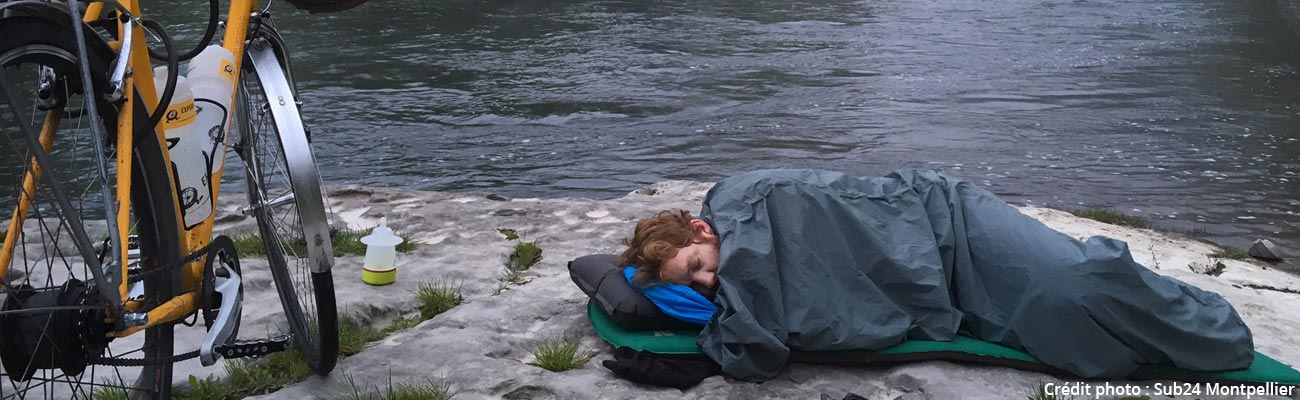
x=782 y=260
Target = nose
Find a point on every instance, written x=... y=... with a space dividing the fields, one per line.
x=707 y=278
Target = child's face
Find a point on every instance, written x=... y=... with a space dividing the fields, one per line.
x=695 y=265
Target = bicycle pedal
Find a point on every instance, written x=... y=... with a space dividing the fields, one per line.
x=254 y=348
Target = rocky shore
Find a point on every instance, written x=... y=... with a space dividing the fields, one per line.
x=483 y=347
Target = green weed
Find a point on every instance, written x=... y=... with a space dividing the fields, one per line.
x=248 y=245
x=558 y=355
x=402 y=322
x=430 y=390
x=345 y=241
x=249 y=378
x=354 y=335
x=526 y=255
x=209 y=388
x=1040 y=393
x=438 y=297
x=109 y=389
x=1112 y=217
x=1231 y=253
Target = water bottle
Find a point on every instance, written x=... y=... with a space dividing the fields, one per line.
x=211 y=75
x=186 y=149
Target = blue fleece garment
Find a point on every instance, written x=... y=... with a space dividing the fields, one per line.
x=678 y=301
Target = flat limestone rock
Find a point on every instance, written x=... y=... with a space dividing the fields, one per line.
x=483 y=346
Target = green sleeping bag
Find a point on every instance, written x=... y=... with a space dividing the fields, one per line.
x=682 y=342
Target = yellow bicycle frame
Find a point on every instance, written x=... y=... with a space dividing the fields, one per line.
x=198 y=237
x=142 y=81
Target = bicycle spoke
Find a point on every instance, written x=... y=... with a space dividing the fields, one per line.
x=62 y=215
x=269 y=179
x=50 y=176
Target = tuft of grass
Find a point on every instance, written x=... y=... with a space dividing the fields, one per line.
x=255 y=377
x=526 y=255
x=1112 y=217
x=558 y=355
x=354 y=391
x=249 y=245
x=345 y=241
x=438 y=297
x=510 y=234
x=502 y=286
x=402 y=322
x=109 y=389
x=354 y=335
x=1040 y=393
x=407 y=245
x=249 y=378
x=348 y=242
x=430 y=390
x=1231 y=253
x=209 y=388
x=512 y=275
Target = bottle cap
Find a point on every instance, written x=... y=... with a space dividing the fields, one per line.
x=382 y=235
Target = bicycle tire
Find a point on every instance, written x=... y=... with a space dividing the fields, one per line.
x=40 y=42
x=307 y=296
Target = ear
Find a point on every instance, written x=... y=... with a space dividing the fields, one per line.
x=702 y=227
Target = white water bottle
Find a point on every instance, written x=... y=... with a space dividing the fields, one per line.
x=185 y=147
x=211 y=75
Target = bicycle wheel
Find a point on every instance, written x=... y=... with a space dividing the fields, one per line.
x=48 y=348
x=285 y=196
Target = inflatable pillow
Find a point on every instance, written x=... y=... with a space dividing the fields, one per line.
x=602 y=280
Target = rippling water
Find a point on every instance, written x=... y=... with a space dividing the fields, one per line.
x=1183 y=112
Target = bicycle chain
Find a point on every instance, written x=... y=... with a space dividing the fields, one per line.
x=140 y=362
x=192 y=257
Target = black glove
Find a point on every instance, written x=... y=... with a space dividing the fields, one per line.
x=660 y=369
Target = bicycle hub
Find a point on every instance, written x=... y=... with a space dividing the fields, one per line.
x=59 y=327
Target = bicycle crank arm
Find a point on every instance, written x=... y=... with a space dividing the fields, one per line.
x=227 y=319
x=254 y=348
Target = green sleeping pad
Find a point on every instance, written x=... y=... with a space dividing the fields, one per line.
x=682 y=342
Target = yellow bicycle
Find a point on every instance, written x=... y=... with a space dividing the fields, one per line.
x=110 y=229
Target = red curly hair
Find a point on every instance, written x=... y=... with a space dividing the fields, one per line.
x=656 y=240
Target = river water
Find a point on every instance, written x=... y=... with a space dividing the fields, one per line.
x=1183 y=112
